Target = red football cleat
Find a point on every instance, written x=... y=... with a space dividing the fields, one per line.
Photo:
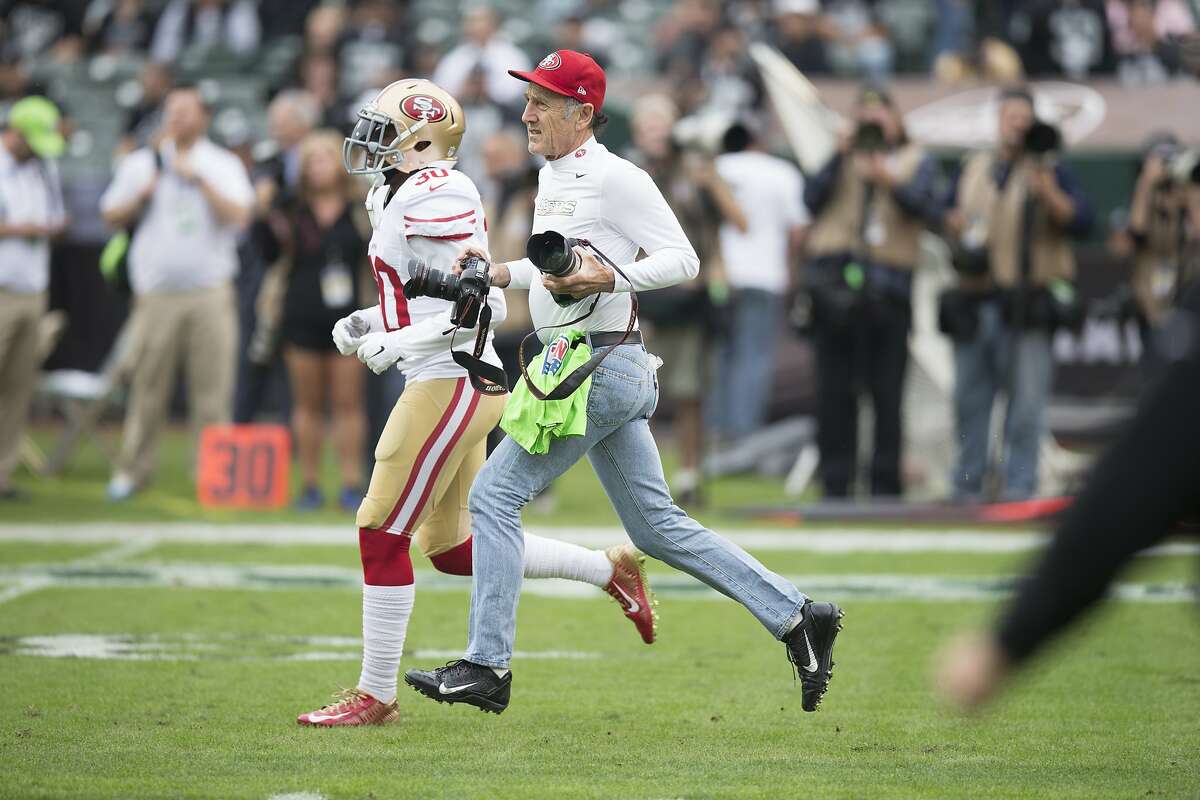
x=631 y=590
x=353 y=707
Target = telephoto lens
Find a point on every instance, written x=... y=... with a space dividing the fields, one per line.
x=1042 y=138
x=554 y=254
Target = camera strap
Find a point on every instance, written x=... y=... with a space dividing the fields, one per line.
x=573 y=381
x=486 y=378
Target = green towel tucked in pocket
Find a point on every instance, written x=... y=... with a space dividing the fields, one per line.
x=532 y=422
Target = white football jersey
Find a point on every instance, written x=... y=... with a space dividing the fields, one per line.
x=440 y=207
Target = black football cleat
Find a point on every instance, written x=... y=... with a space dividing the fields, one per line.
x=810 y=649
x=462 y=681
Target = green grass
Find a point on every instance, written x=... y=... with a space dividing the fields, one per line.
x=78 y=495
x=710 y=711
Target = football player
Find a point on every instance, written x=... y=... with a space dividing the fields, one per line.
x=422 y=212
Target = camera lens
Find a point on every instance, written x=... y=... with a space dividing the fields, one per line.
x=552 y=254
x=426 y=282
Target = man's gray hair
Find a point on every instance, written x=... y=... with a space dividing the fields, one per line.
x=300 y=103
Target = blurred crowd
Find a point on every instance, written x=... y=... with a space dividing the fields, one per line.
x=238 y=251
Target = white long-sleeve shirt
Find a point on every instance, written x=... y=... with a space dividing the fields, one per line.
x=596 y=195
x=429 y=218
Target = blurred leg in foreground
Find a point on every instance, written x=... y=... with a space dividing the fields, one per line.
x=1141 y=488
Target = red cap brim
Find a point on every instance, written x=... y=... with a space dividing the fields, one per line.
x=533 y=77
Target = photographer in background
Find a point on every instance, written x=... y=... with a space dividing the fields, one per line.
x=870 y=204
x=1164 y=219
x=1012 y=216
x=682 y=166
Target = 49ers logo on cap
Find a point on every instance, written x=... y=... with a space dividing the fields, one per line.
x=552 y=61
x=422 y=106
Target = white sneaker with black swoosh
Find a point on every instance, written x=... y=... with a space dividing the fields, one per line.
x=810 y=649
x=462 y=681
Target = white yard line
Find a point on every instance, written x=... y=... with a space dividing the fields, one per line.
x=179 y=575
x=826 y=540
x=128 y=549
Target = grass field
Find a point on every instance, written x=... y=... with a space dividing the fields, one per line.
x=150 y=660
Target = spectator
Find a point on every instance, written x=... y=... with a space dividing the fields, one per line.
x=322 y=249
x=284 y=17
x=730 y=77
x=758 y=266
x=318 y=75
x=484 y=48
x=487 y=117
x=1146 y=35
x=802 y=34
x=1065 y=37
x=1013 y=214
x=323 y=29
x=117 y=27
x=862 y=45
x=145 y=118
x=683 y=38
x=31 y=214
x=32 y=28
x=969 y=44
x=181 y=261
x=701 y=200
x=204 y=25
x=869 y=203
x=292 y=116
x=376 y=45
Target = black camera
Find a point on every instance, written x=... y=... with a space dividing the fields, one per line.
x=468 y=291
x=554 y=254
x=869 y=138
x=1042 y=138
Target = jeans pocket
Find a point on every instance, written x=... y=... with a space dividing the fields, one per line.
x=613 y=399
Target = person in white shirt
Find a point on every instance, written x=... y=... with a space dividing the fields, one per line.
x=187 y=201
x=422 y=211
x=587 y=192
x=31 y=214
x=482 y=48
x=759 y=268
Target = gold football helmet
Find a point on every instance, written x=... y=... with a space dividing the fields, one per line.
x=409 y=124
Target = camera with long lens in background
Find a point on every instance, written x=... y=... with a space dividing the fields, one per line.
x=869 y=138
x=1042 y=139
x=1181 y=166
x=468 y=291
x=554 y=254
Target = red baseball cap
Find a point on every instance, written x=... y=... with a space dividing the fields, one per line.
x=570 y=74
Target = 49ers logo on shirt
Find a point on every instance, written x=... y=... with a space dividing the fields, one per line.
x=551 y=62
x=422 y=106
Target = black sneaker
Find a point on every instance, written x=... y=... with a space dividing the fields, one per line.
x=810 y=649
x=463 y=682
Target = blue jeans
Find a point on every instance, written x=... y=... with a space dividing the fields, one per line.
x=747 y=362
x=981 y=371
x=618 y=442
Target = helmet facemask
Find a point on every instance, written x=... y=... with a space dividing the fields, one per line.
x=379 y=143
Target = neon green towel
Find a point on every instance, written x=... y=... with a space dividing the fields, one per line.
x=531 y=422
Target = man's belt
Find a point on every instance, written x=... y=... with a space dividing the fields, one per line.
x=607 y=338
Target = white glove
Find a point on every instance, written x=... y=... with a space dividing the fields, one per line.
x=349 y=331
x=380 y=351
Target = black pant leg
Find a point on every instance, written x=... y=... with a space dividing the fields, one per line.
x=837 y=407
x=887 y=361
